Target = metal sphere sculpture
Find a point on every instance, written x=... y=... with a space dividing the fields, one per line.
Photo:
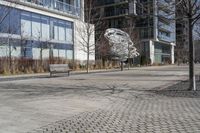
x=121 y=43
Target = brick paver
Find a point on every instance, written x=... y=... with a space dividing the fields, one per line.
x=136 y=101
x=157 y=115
x=171 y=110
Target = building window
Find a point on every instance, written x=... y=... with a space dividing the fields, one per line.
x=28 y=53
x=10 y=20
x=36 y=26
x=55 y=29
x=39 y=26
x=61 y=30
x=69 y=54
x=36 y=29
x=4 y=17
x=26 y=24
x=69 y=33
x=45 y=27
x=15 y=21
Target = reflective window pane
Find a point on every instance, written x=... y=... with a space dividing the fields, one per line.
x=45 y=27
x=55 y=29
x=61 y=30
x=69 y=33
x=26 y=24
x=15 y=21
x=69 y=54
x=4 y=19
x=36 y=26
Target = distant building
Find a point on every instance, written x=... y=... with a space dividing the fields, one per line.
x=42 y=27
x=152 y=23
x=182 y=47
x=197 y=49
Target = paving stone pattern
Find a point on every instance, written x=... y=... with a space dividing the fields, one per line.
x=130 y=114
x=141 y=100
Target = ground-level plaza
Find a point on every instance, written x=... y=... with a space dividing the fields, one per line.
x=148 y=99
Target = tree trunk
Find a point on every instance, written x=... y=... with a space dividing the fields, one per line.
x=122 y=66
x=10 y=55
x=88 y=58
x=128 y=57
x=41 y=57
x=191 y=58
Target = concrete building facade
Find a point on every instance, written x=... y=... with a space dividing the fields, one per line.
x=35 y=28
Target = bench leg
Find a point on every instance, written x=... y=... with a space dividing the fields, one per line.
x=50 y=74
x=68 y=73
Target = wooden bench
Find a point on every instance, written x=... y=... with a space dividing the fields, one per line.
x=59 y=68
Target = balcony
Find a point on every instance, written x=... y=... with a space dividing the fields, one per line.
x=163 y=3
x=109 y=2
x=116 y=13
x=165 y=38
x=166 y=27
x=55 y=5
x=167 y=5
x=165 y=15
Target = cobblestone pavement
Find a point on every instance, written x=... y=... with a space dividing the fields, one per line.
x=139 y=100
x=157 y=116
x=133 y=112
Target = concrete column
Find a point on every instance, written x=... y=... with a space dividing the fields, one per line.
x=82 y=10
x=152 y=51
x=155 y=20
x=132 y=7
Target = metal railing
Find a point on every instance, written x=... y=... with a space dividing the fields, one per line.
x=165 y=15
x=165 y=38
x=166 y=27
x=117 y=12
x=56 y=5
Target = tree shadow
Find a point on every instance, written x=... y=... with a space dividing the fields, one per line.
x=180 y=89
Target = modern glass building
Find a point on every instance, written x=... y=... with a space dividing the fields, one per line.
x=152 y=22
x=41 y=28
x=182 y=31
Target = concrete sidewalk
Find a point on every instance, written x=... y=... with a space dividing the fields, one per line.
x=47 y=75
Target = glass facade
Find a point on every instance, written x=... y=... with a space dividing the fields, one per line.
x=162 y=53
x=166 y=27
x=10 y=22
x=39 y=26
x=38 y=31
x=145 y=24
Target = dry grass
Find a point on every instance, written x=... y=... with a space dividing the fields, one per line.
x=28 y=66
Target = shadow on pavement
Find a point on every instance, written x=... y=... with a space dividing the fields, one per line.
x=179 y=90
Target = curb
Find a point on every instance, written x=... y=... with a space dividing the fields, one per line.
x=47 y=75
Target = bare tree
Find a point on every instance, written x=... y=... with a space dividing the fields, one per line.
x=103 y=52
x=134 y=35
x=5 y=12
x=87 y=30
x=190 y=10
x=43 y=44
